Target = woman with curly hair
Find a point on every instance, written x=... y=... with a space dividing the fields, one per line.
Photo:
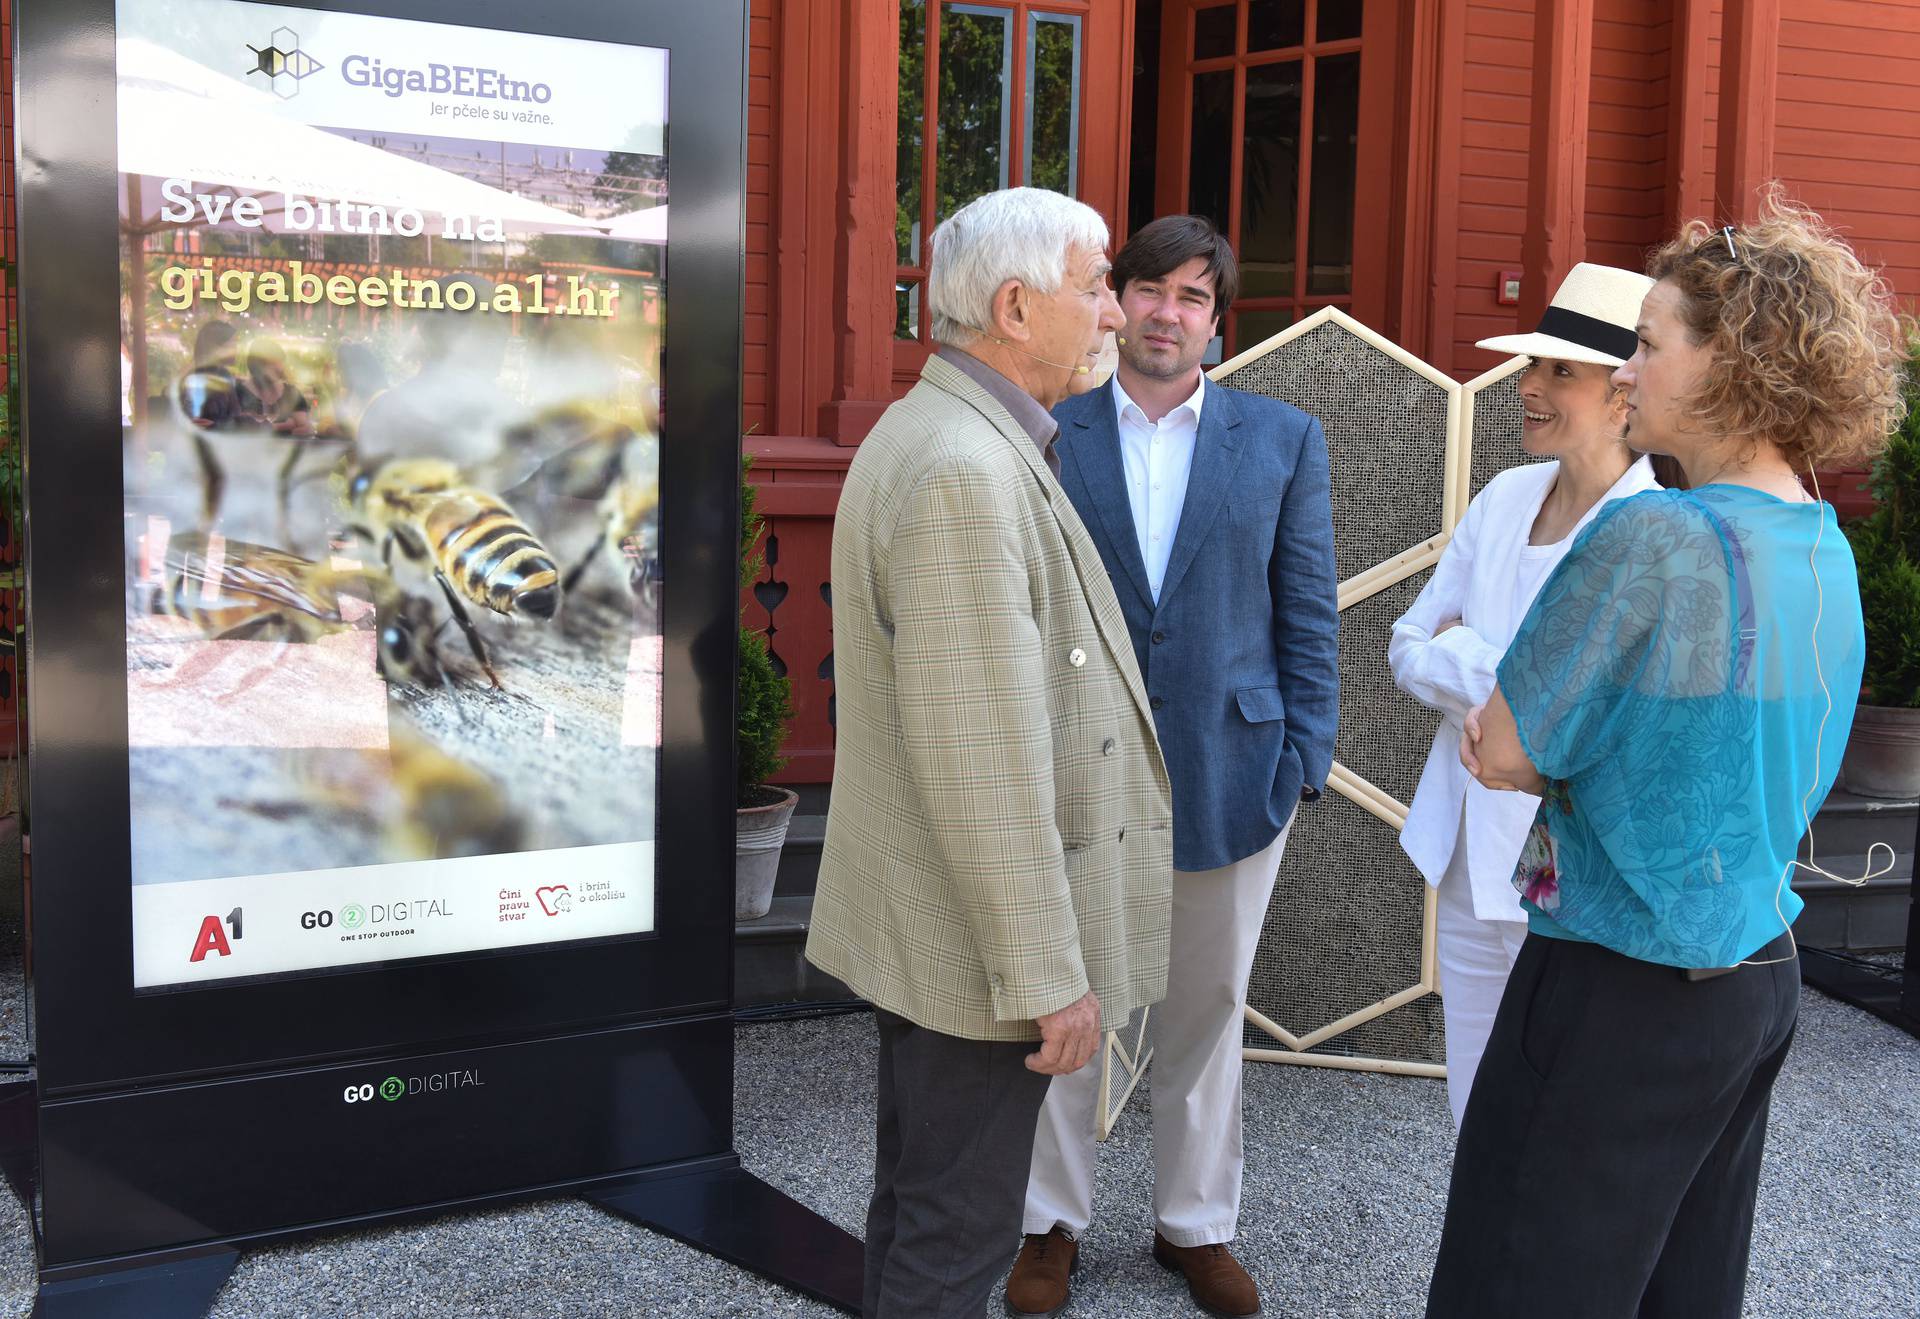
x=1678 y=696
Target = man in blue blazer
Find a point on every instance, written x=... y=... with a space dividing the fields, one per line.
x=1210 y=510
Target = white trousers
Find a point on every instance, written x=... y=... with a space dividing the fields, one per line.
x=1196 y=1033
x=1475 y=958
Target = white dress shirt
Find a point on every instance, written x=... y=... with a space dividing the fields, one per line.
x=1158 y=457
x=1487 y=579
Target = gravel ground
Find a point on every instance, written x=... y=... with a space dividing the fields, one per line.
x=1346 y=1181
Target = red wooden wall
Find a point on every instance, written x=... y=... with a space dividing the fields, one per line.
x=1626 y=155
x=1493 y=114
x=1849 y=124
x=1847 y=139
x=757 y=331
x=1627 y=141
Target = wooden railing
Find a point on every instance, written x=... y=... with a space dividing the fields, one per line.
x=799 y=487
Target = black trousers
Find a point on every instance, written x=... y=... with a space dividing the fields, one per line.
x=1610 y=1154
x=955 y=1120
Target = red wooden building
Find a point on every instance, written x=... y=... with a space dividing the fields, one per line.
x=1432 y=166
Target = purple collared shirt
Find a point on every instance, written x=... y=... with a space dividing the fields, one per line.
x=1024 y=408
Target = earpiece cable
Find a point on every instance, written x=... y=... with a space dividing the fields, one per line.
x=1812 y=865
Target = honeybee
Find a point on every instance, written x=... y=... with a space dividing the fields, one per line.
x=574 y=452
x=233 y=590
x=475 y=546
x=423 y=803
x=441 y=806
x=629 y=537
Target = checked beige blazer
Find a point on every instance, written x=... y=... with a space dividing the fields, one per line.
x=1000 y=835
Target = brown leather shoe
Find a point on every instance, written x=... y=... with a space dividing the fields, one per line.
x=1218 y=1284
x=1038 y=1286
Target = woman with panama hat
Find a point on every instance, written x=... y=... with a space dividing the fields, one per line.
x=1463 y=838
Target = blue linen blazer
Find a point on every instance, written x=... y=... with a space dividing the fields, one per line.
x=1241 y=654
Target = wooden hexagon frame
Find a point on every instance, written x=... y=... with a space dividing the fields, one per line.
x=1342 y=779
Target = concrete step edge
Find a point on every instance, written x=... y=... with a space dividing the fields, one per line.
x=785 y=922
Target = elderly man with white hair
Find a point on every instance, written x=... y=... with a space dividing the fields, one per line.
x=998 y=861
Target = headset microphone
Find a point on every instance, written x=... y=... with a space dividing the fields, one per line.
x=1064 y=366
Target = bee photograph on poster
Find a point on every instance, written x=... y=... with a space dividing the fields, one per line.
x=392 y=318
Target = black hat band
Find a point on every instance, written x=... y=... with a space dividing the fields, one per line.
x=1589 y=332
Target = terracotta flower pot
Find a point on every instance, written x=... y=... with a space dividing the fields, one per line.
x=759 y=833
x=1883 y=753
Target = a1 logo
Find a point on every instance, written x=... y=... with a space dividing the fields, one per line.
x=213 y=939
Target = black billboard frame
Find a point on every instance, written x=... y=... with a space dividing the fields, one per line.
x=624 y=1045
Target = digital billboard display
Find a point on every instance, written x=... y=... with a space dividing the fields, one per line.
x=392 y=319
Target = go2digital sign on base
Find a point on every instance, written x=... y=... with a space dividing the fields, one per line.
x=392 y=314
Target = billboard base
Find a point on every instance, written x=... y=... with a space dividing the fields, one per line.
x=1862 y=987
x=715 y=1206
x=143 y=1228
x=20 y=1140
x=182 y=1287
x=733 y=1215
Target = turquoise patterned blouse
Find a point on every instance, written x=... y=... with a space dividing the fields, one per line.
x=1665 y=684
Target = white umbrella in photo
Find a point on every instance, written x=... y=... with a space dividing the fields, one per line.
x=648 y=225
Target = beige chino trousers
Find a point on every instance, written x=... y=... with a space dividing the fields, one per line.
x=1195 y=1084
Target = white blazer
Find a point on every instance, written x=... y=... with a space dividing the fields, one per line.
x=1455 y=671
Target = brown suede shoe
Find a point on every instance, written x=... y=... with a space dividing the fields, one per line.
x=1038 y=1286
x=1218 y=1283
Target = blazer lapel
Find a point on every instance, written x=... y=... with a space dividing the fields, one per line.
x=1106 y=608
x=1096 y=456
x=1084 y=554
x=1216 y=456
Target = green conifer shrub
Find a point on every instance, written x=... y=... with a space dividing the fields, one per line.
x=763 y=697
x=1886 y=551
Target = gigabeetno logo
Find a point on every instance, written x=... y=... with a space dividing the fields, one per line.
x=283 y=63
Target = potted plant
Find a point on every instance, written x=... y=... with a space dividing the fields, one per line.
x=763 y=704
x=1883 y=753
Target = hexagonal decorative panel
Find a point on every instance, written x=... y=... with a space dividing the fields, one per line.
x=1384 y=733
x=1345 y=931
x=1344 y=973
x=1387 y=425
x=1493 y=413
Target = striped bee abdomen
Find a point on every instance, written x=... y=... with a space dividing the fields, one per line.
x=493 y=559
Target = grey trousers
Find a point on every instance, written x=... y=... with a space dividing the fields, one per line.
x=954 y=1120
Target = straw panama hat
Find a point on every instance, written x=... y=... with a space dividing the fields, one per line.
x=1591 y=318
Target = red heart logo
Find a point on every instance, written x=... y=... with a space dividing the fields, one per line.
x=554 y=899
